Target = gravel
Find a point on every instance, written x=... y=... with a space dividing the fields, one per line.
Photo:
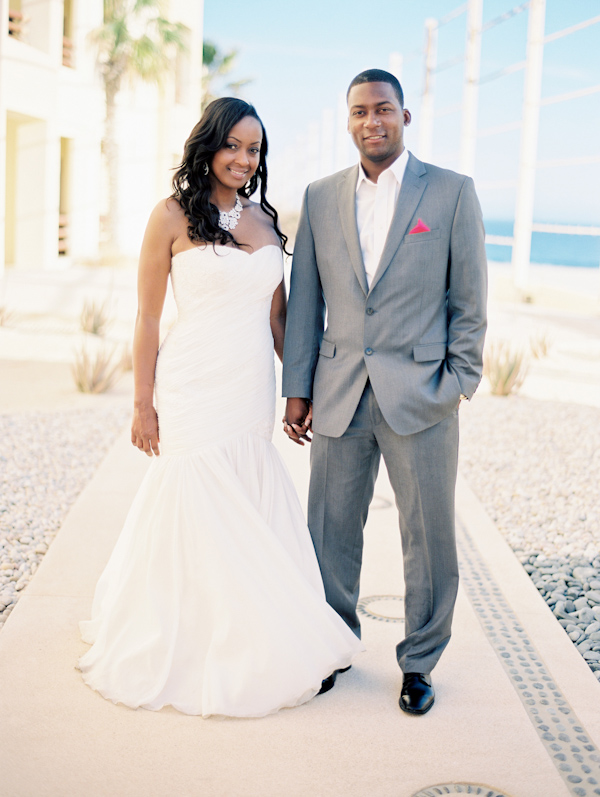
x=535 y=466
x=46 y=459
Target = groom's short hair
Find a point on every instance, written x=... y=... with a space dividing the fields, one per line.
x=378 y=76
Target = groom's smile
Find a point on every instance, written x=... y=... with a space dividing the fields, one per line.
x=376 y=123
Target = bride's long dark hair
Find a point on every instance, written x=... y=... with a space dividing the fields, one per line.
x=191 y=186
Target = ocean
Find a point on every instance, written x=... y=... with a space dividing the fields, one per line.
x=547 y=248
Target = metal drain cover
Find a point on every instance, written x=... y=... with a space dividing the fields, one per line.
x=460 y=788
x=385 y=608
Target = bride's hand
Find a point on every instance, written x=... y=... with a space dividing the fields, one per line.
x=144 y=429
x=297 y=420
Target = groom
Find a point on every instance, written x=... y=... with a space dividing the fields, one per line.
x=393 y=251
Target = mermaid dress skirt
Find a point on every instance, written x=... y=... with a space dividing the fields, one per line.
x=212 y=600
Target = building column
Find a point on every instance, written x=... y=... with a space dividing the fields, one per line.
x=84 y=195
x=36 y=195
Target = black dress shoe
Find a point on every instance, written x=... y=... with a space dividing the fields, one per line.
x=417 y=693
x=329 y=682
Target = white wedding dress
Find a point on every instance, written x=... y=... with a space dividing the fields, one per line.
x=212 y=600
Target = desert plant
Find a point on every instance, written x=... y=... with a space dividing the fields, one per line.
x=5 y=315
x=95 y=318
x=95 y=373
x=505 y=367
x=539 y=345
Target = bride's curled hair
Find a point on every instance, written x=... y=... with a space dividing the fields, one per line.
x=191 y=184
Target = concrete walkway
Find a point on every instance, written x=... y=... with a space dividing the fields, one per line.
x=517 y=710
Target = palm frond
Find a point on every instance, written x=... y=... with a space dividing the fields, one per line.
x=228 y=62
x=236 y=85
x=209 y=53
x=172 y=33
x=147 y=60
x=141 y=5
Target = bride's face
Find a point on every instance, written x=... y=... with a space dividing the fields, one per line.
x=234 y=164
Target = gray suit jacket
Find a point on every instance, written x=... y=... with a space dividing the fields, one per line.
x=417 y=333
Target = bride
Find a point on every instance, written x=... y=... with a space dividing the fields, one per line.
x=212 y=600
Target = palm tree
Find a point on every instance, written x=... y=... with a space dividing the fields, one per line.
x=135 y=41
x=214 y=66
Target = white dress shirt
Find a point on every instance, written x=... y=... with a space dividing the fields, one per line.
x=375 y=205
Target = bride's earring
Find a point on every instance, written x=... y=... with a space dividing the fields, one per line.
x=205 y=169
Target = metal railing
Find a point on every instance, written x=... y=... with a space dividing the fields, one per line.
x=523 y=183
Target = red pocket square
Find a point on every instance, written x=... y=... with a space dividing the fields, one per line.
x=420 y=226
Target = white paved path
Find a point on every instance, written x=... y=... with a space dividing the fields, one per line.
x=60 y=739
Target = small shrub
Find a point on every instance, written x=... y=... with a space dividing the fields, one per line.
x=505 y=367
x=5 y=316
x=539 y=345
x=95 y=373
x=95 y=318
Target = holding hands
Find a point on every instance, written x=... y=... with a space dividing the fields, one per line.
x=297 y=420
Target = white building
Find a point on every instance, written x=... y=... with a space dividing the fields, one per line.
x=52 y=112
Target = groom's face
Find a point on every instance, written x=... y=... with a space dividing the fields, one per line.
x=376 y=121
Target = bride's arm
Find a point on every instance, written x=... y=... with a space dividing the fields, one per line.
x=153 y=275
x=278 y=308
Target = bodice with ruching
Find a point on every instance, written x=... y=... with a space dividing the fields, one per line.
x=217 y=360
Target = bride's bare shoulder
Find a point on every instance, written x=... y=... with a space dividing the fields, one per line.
x=169 y=217
x=168 y=210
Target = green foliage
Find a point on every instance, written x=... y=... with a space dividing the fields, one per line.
x=216 y=65
x=136 y=40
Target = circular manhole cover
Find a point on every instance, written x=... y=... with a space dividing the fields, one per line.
x=380 y=502
x=460 y=788
x=385 y=608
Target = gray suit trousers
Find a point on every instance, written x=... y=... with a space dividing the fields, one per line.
x=422 y=469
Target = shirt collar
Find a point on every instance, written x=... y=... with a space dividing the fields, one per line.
x=397 y=169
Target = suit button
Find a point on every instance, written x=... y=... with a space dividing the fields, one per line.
x=369 y=351
x=370 y=311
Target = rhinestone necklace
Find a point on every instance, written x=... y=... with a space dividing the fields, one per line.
x=229 y=220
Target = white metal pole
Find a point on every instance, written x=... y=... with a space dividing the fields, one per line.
x=529 y=137
x=342 y=142
x=327 y=142
x=426 y=120
x=395 y=63
x=468 y=139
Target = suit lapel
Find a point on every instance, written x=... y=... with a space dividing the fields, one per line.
x=411 y=191
x=346 y=196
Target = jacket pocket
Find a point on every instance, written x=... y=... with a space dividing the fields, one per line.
x=427 y=352
x=430 y=235
x=327 y=348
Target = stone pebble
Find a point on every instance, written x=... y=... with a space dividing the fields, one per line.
x=46 y=460
x=535 y=466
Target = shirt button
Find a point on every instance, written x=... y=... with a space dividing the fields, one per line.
x=369 y=351
x=370 y=311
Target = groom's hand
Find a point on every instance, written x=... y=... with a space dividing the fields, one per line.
x=297 y=419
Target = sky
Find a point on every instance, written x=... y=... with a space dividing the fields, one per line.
x=301 y=56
